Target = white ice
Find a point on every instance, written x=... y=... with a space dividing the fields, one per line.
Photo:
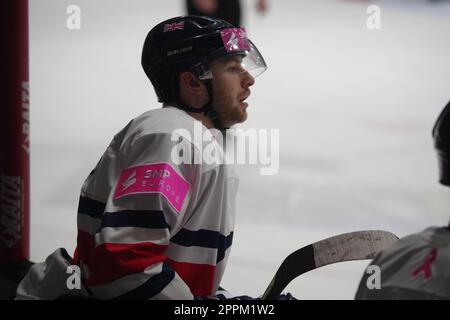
x=354 y=106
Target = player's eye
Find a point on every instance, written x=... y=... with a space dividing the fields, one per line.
x=236 y=69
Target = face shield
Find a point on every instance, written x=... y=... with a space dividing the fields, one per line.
x=235 y=42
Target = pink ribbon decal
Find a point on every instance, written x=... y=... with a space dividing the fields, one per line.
x=235 y=39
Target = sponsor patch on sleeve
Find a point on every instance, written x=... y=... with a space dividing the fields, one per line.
x=154 y=178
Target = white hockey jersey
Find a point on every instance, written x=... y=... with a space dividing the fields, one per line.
x=150 y=227
x=415 y=267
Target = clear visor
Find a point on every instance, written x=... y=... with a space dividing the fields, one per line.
x=253 y=62
x=236 y=43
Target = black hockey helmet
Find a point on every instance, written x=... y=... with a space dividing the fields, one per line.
x=191 y=43
x=441 y=136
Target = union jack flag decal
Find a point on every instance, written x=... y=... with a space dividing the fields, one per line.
x=174 y=26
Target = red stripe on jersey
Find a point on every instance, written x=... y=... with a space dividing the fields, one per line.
x=199 y=277
x=76 y=259
x=85 y=247
x=111 y=261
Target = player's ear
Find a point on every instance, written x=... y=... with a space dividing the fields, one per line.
x=191 y=84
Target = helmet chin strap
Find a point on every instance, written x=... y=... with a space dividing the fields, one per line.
x=207 y=109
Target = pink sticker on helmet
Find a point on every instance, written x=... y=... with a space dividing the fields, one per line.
x=154 y=178
x=234 y=39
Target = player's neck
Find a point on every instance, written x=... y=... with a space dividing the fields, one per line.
x=207 y=122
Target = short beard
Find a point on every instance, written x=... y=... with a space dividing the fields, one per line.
x=233 y=117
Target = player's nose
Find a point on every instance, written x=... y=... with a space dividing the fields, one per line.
x=248 y=79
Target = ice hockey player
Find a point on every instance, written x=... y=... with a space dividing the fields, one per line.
x=149 y=225
x=416 y=266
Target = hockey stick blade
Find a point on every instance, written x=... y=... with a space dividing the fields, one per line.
x=359 y=245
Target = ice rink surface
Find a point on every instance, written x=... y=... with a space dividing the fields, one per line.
x=354 y=107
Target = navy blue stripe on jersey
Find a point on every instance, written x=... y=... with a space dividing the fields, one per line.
x=225 y=244
x=151 y=287
x=204 y=238
x=135 y=218
x=90 y=207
